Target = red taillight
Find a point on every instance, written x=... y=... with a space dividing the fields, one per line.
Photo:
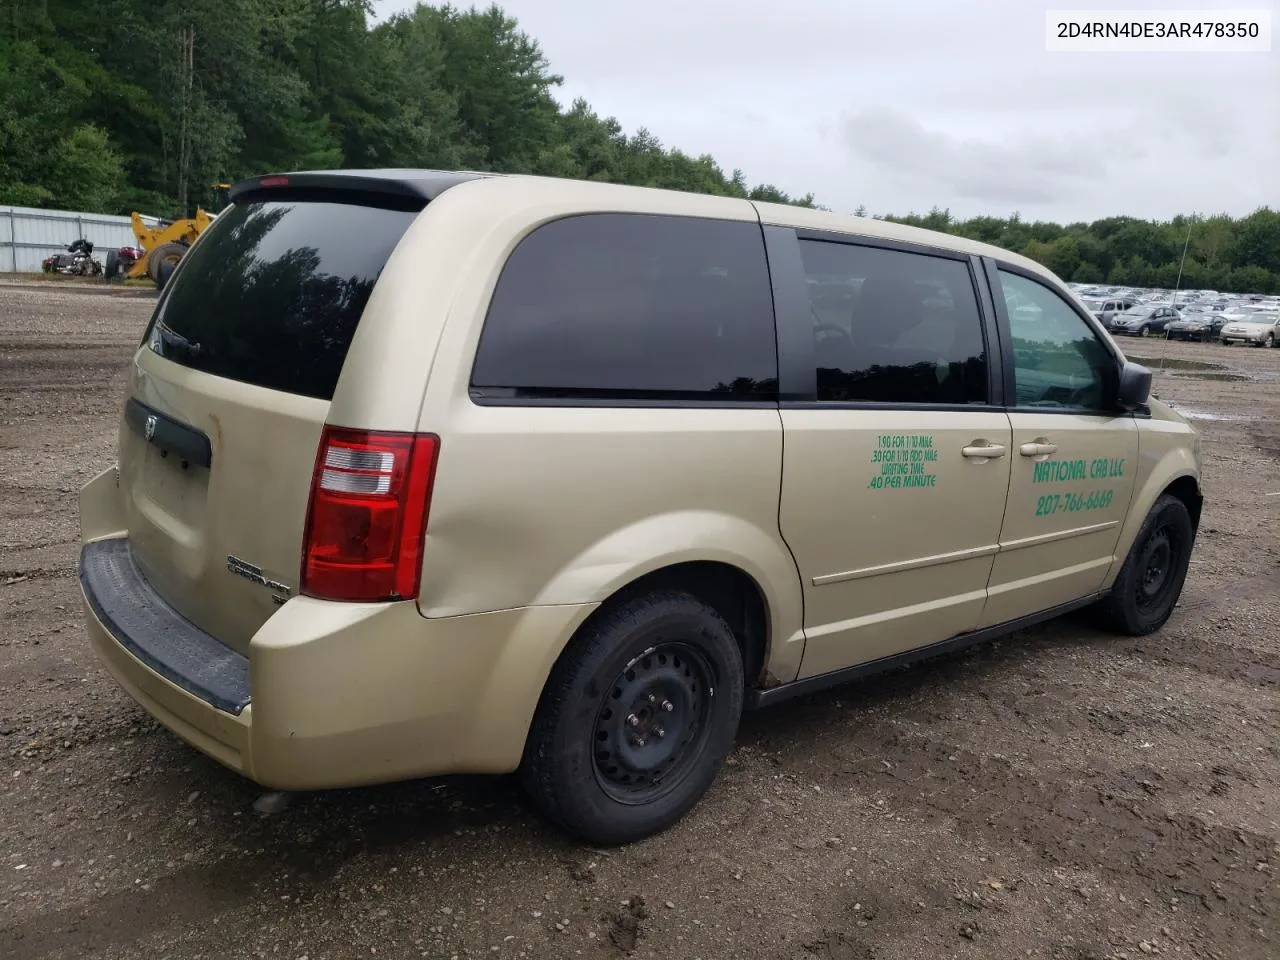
x=370 y=495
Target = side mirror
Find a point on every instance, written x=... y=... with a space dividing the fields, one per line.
x=1135 y=386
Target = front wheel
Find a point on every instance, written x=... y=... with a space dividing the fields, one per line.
x=1144 y=594
x=1270 y=341
x=636 y=719
x=1142 y=330
x=162 y=260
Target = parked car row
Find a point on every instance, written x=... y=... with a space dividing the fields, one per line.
x=1197 y=315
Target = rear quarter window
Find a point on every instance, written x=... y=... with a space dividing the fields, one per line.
x=632 y=306
x=273 y=292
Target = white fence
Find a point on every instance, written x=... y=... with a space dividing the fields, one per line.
x=29 y=234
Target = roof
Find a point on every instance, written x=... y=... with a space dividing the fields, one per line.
x=424 y=185
x=420 y=186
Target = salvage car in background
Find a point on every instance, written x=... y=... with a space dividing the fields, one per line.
x=1107 y=309
x=1202 y=327
x=1143 y=319
x=1257 y=329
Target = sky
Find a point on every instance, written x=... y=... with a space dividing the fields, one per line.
x=904 y=105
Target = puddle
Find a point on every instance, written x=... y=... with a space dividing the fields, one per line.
x=1220 y=377
x=1192 y=414
x=1204 y=370
x=1176 y=363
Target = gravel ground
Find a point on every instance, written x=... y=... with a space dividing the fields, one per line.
x=1061 y=794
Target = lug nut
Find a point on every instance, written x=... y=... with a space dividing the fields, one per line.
x=653 y=698
x=640 y=741
x=659 y=732
x=633 y=720
x=668 y=706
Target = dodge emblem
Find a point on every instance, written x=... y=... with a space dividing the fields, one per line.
x=150 y=429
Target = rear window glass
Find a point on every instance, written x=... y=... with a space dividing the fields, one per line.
x=273 y=291
x=632 y=306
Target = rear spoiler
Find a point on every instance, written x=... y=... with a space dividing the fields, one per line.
x=402 y=189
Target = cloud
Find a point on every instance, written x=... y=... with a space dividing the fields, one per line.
x=1026 y=170
x=906 y=106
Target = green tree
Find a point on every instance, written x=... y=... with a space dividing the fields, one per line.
x=1251 y=279
x=1088 y=272
x=1257 y=241
x=89 y=173
x=1062 y=255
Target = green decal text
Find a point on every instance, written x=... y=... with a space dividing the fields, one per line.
x=1065 y=471
x=1052 y=503
x=905 y=460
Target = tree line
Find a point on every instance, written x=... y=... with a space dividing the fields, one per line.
x=1236 y=255
x=116 y=105
x=113 y=105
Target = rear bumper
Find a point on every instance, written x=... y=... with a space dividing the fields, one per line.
x=331 y=695
x=128 y=609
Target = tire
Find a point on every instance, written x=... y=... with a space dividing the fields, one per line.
x=588 y=766
x=1138 y=605
x=169 y=253
x=164 y=272
x=112 y=269
x=1270 y=341
x=1142 y=330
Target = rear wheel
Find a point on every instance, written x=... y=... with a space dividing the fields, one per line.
x=636 y=719
x=166 y=253
x=1150 y=582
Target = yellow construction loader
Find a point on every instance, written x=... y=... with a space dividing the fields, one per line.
x=160 y=247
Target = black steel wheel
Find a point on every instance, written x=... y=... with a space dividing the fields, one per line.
x=1149 y=584
x=636 y=718
x=1155 y=569
x=649 y=729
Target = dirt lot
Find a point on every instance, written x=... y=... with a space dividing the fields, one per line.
x=1062 y=795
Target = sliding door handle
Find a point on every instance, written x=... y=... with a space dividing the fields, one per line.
x=1038 y=448
x=981 y=450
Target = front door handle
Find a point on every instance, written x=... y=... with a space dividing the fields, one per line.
x=981 y=450
x=1038 y=448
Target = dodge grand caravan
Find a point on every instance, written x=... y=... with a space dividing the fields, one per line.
x=424 y=473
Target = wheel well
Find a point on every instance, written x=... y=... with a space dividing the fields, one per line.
x=731 y=591
x=1188 y=491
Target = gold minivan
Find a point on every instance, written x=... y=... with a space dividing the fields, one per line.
x=425 y=472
